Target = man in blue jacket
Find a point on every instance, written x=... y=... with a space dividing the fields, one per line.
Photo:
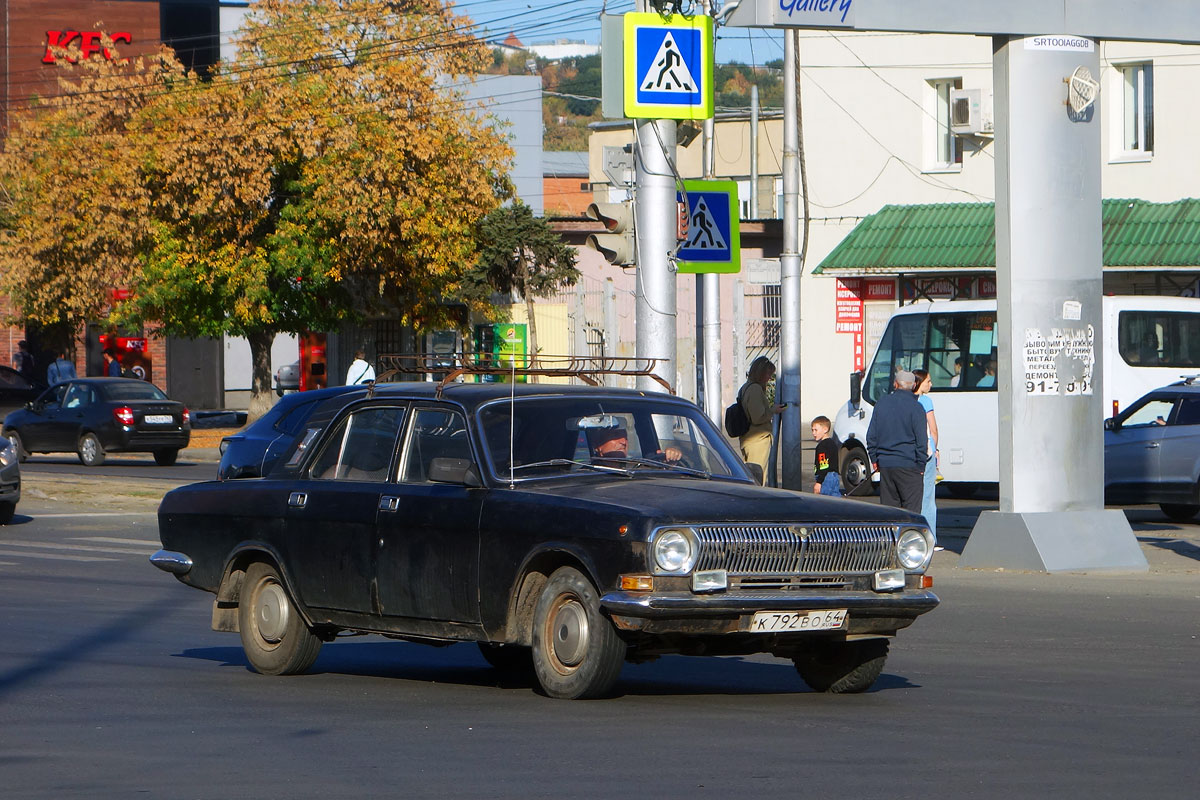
x=898 y=441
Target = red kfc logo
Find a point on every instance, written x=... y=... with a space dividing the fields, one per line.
x=89 y=43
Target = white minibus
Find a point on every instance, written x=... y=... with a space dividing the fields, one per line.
x=1149 y=341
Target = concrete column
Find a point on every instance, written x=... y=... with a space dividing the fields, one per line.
x=1049 y=285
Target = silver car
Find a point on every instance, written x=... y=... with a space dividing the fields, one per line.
x=1152 y=451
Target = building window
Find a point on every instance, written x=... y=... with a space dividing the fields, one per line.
x=946 y=151
x=1138 y=108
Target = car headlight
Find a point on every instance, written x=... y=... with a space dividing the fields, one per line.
x=8 y=453
x=674 y=551
x=914 y=548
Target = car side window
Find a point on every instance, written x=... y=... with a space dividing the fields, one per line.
x=54 y=397
x=361 y=447
x=77 y=396
x=1189 y=411
x=1153 y=412
x=433 y=433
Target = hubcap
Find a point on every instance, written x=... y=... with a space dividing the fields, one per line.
x=569 y=632
x=271 y=609
x=89 y=449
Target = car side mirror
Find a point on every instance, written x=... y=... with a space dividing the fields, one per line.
x=454 y=470
x=756 y=471
x=855 y=388
x=1112 y=424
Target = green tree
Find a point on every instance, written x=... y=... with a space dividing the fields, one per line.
x=521 y=255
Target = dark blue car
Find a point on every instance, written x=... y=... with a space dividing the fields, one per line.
x=252 y=452
x=1152 y=451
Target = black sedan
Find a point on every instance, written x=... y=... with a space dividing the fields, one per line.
x=253 y=452
x=563 y=529
x=93 y=416
x=10 y=481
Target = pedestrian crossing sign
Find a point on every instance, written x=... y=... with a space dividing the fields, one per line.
x=713 y=242
x=668 y=66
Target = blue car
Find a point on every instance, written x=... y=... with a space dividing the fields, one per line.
x=252 y=452
x=1152 y=451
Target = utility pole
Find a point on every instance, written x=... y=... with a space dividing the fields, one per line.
x=788 y=385
x=708 y=295
x=656 y=220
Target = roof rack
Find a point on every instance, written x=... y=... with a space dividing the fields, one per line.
x=589 y=369
x=1188 y=380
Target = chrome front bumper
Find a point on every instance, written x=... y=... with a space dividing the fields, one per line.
x=730 y=612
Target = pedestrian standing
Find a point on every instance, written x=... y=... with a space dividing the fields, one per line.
x=360 y=371
x=756 y=442
x=929 y=493
x=898 y=444
x=826 y=475
x=61 y=371
x=22 y=360
x=112 y=364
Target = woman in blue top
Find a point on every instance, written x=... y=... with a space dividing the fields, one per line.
x=928 y=504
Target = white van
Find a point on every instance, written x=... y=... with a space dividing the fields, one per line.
x=1149 y=341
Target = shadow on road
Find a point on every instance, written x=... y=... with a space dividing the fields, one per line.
x=461 y=664
x=81 y=648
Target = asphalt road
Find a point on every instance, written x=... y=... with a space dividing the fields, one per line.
x=1019 y=685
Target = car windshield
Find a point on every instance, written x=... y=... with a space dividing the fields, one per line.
x=133 y=390
x=539 y=437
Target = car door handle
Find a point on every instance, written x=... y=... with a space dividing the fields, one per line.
x=389 y=503
x=1152 y=445
x=297 y=499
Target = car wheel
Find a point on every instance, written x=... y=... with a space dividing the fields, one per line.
x=856 y=472
x=1178 y=512
x=842 y=667
x=510 y=659
x=91 y=452
x=274 y=636
x=577 y=653
x=7 y=510
x=18 y=445
x=166 y=457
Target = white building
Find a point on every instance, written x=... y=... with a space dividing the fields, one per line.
x=876 y=113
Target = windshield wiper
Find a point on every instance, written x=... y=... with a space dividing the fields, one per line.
x=652 y=462
x=569 y=462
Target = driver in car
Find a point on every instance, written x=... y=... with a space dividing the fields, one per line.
x=612 y=445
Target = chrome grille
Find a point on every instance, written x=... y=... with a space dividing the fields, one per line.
x=796 y=550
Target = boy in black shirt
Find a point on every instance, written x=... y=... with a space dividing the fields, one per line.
x=828 y=479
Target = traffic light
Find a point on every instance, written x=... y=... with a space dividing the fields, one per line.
x=617 y=245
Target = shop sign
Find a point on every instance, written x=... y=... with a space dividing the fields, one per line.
x=90 y=43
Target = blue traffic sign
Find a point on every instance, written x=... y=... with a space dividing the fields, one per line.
x=668 y=67
x=713 y=242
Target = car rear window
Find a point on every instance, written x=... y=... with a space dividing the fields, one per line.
x=133 y=391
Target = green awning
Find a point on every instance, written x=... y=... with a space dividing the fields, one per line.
x=961 y=237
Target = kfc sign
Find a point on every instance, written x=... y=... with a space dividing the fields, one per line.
x=89 y=43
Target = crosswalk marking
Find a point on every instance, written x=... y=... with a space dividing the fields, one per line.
x=99 y=514
x=115 y=540
x=83 y=548
x=54 y=556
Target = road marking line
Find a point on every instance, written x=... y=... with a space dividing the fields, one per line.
x=115 y=540
x=78 y=547
x=97 y=514
x=56 y=556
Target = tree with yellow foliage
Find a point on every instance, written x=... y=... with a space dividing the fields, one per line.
x=329 y=172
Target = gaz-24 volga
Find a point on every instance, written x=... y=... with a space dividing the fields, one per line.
x=564 y=529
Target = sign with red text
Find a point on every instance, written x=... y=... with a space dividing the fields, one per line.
x=848 y=307
x=88 y=42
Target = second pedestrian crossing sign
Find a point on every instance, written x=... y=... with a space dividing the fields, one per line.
x=668 y=66
x=713 y=242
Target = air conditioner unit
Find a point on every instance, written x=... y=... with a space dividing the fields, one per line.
x=970 y=112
